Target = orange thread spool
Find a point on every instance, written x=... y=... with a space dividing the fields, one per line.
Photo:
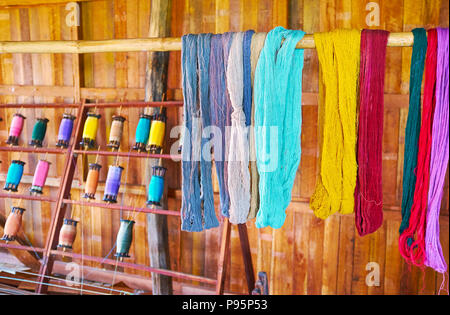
x=67 y=234
x=13 y=224
x=92 y=181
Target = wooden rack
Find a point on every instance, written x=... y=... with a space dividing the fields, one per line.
x=49 y=251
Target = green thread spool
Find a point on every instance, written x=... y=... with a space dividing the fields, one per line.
x=39 y=130
x=124 y=238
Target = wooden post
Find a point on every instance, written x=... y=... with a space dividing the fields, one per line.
x=224 y=255
x=155 y=88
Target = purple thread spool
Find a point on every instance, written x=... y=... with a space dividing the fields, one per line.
x=112 y=183
x=16 y=129
x=65 y=130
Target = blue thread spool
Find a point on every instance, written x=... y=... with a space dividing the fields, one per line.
x=124 y=238
x=14 y=176
x=142 y=132
x=112 y=183
x=65 y=130
x=156 y=186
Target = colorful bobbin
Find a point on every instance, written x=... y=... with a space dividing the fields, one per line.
x=157 y=131
x=13 y=224
x=40 y=176
x=142 y=132
x=92 y=181
x=16 y=129
x=124 y=238
x=112 y=183
x=67 y=234
x=156 y=186
x=115 y=134
x=90 y=130
x=39 y=130
x=14 y=175
x=65 y=130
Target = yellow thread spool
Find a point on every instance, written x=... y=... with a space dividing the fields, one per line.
x=90 y=130
x=157 y=132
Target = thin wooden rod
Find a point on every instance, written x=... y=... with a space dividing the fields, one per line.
x=404 y=39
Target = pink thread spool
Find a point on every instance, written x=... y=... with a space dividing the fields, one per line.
x=40 y=176
x=16 y=129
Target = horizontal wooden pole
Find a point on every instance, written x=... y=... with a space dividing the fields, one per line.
x=405 y=39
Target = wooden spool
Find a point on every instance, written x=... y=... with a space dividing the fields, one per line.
x=13 y=224
x=67 y=234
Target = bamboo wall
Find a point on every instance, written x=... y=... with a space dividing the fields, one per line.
x=306 y=256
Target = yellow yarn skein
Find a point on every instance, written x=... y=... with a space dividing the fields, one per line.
x=339 y=53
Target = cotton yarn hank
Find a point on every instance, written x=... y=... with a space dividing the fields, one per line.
x=238 y=156
x=412 y=241
x=439 y=156
x=413 y=124
x=369 y=190
x=277 y=89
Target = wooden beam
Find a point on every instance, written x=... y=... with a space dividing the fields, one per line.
x=161 y=43
x=155 y=89
x=16 y=3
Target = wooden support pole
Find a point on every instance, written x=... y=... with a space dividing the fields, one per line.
x=162 y=43
x=224 y=255
x=155 y=88
x=247 y=257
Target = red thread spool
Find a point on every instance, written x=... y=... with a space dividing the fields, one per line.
x=92 y=181
x=67 y=234
x=13 y=224
x=40 y=176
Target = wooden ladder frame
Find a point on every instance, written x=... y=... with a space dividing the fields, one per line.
x=63 y=200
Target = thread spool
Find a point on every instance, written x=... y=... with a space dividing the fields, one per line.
x=92 y=181
x=13 y=224
x=67 y=234
x=39 y=130
x=15 y=129
x=156 y=186
x=90 y=130
x=157 y=131
x=142 y=132
x=112 y=183
x=14 y=175
x=40 y=176
x=115 y=134
x=124 y=238
x=65 y=130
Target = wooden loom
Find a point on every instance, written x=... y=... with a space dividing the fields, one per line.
x=123 y=45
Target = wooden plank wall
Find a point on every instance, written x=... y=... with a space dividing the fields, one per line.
x=306 y=256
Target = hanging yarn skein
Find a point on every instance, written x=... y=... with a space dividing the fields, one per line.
x=412 y=241
x=15 y=172
x=39 y=130
x=40 y=176
x=219 y=115
x=238 y=155
x=65 y=130
x=369 y=190
x=196 y=177
x=277 y=89
x=255 y=48
x=339 y=58
x=413 y=124
x=15 y=129
x=439 y=156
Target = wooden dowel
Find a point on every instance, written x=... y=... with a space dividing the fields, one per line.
x=404 y=39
